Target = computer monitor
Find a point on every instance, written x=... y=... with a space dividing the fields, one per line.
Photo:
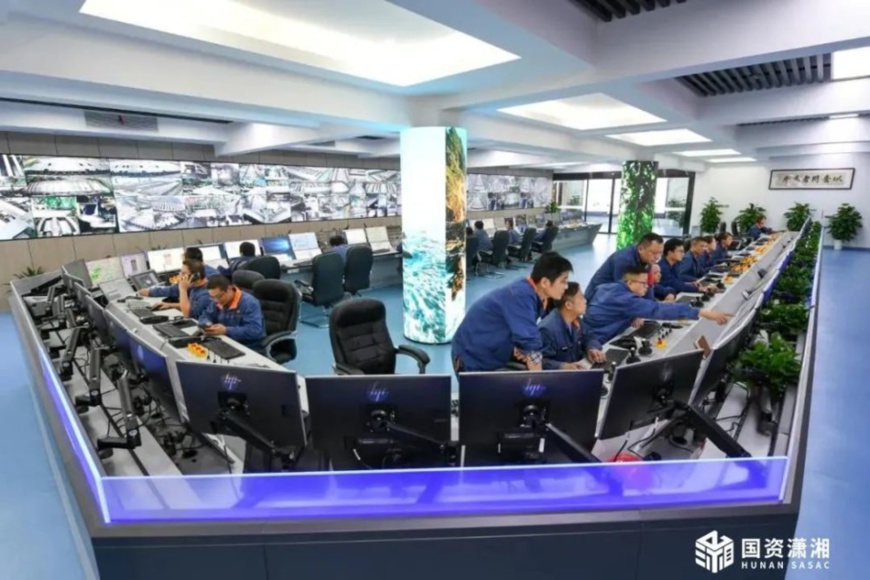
x=355 y=236
x=81 y=294
x=133 y=264
x=259 y=405
x=97 y=317
x=645 y=391
x=211 y=254
x=116 y=289
x=232 y=248
x=509 y=413
x=379 y=421
x=105 y=270
x=168 y=260
x=305 y=245
x=378 y=234
x=152 y=363
x=78 y=269
x=120 y=338
x=489 y=225
x=277 y=245
x=146 y=279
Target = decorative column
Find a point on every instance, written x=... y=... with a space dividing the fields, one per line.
x=638 y=196
x=433 y=163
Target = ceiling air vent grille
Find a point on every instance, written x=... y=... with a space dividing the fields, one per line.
x=121 y=121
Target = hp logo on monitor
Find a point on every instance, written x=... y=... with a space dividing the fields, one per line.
x=378 y=394
x=534 y=390
x=230 y=382
x=140 y=352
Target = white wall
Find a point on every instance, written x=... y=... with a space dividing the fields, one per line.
x=737 y=187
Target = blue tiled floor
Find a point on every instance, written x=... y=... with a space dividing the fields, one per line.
x=36 y=543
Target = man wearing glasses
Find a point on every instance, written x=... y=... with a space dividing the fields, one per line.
x=619 y=305
x=233 y=313
x=646 y=252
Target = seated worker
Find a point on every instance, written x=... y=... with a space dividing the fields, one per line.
x=475 y=259
x=515 y=236
x=758 y=228
x=707 y=256
x=193 y=298
x=723 y=242
x=503 y=325
x=484 y=243
x=647 y=251
x=170 y=293
x=692 y=266
x=338 y=244
x=233 y=313
x=248 y=252
x=539 y=235
x=619 y=305
x=670 y=264
x=660 y=291
x=566 y=339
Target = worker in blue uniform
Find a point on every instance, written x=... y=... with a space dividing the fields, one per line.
x=619 y=305
x=670 y=265
x=566 y=339
x=691 y=268
x=515 y=237
x=170 y=293
x=247 y=252
x=723 y=243
x=338 y=244
x=707 y=261
x=660 y=291
x=647 y=251
x=232 y=313
x=759 y=228
x=502 y=326
x=541 y=234
x=484 y=244
x=193 y=298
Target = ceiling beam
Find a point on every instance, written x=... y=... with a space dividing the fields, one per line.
x=243 y=138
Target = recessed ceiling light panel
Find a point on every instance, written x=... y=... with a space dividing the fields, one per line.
x=707 y=153
x=731 y=160
x=658 y=138
x=584 y=113
x=850 y=64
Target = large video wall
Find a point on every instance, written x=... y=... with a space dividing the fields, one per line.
x=69 y=196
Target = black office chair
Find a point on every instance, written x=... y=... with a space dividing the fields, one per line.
x=326 y=287
x=245 y=279
x=358 y=269
x=472 y=260
x=735 y=229
x=523 y=250
x=546 y=244
x=723 y=227
x=361 y=343
x=268 y=266
x=498 y=254
x=280 y=303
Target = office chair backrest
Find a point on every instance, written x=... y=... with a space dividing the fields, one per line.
x=549 y=236
x=500 y=242
x=280 y=304
x=358 y=268
x=245 y=279
x=735 y=229
x=723 y=227
x=526 y=243
x=360 y=338
x=472 y=246
x=327 y=279
x=268 y=266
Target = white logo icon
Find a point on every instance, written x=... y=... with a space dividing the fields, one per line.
x=714 y=552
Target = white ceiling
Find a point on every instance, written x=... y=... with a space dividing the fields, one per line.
x=537 y=84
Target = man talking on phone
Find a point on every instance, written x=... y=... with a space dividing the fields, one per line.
x=193 y=298
x=232 y=313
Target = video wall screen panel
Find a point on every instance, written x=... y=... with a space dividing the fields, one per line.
x=499 y=192
x=16 y=217
x=148 y=195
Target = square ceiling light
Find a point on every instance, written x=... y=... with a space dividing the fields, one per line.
x=657 y=138
x=731 y=160
x=707 y=153
x=850 y=64
x=584 y=113
x=371 y=39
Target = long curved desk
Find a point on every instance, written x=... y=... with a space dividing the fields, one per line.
x=626 y=520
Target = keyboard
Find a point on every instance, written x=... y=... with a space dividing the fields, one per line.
x=222 y=349
x=174 y=329
x=686 y=299
x=647 y=330
x=615 y=357
x=141 y=313
x=382 y=251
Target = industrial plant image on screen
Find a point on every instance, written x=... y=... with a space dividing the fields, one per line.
x=96 y=214
x=55 y=216
x=497 y=192
x=434 y=244
x=67 y=176
x=16 y=220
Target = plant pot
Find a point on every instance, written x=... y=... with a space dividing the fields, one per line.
x=838 y=245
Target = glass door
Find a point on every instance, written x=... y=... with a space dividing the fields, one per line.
x=599 y=203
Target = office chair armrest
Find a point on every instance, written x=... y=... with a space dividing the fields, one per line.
x=415 y=353
x=343 y=369
x=303 y=284
x=270 y=341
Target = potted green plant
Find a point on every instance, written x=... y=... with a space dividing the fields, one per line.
x=797 y=215
x=748 y=216
x=794 y=285
x=789 y=320
x=30 y=272
x=844 y=225
x=769 y=369
x=711 y=216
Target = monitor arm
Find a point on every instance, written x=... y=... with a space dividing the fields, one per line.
x=237 y=423
x=381 y=421
x=131 y=439
x=709 y=428
x=95 y=395
x=569 y=448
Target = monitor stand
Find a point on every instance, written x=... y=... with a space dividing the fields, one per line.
x=711 y=430
x=261 y=455
x=386 y=433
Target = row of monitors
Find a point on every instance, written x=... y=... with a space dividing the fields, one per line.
x=300 y=247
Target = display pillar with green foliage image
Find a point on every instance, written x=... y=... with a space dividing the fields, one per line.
x=638 y=196
x=433 y=162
